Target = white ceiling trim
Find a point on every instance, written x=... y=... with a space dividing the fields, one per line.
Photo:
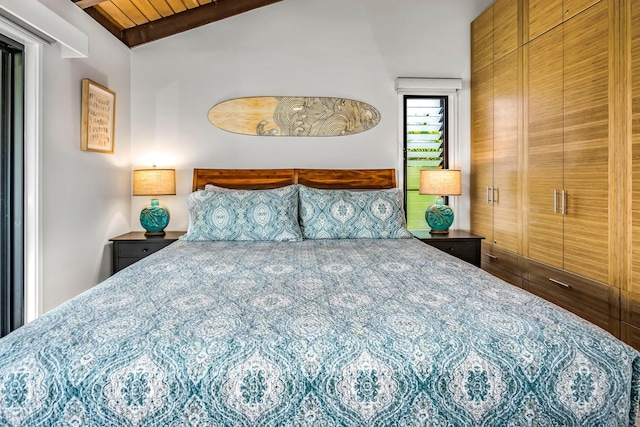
x=42 y=22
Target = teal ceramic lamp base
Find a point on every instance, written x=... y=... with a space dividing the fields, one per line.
x=439 y=217
x=154 y=219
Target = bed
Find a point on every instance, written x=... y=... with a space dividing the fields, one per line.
x=259 y=328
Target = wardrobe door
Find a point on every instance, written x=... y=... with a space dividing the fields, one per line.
x=482 y=153
x=586 y=143
x=505 y=27
x=506 y=151
x=635 y=67
x=631 y=297
x=573 y=7
x=545 y=147
x=482 y=40
x=543 y=15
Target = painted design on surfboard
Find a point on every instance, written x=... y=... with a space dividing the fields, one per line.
x=294 y=116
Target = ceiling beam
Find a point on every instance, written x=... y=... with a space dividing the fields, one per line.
x=191 y=18
x=84 y=4
x=114 y=29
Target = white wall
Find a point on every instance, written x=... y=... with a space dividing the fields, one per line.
x=85 y=195
x=352 y=49
x=164 y=90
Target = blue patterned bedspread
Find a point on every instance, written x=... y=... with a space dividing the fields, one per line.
x=312 y=333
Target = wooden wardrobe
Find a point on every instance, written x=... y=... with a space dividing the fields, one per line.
x=555 y=153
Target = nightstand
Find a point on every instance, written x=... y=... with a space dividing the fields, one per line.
x=459 y=243
x=134 y=246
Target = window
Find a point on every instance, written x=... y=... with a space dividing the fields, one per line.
x=11 y=185
x=425 y=147
x=428 y=137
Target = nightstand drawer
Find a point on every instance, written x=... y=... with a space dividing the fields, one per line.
x=126 y=262
x=132 y=247
x=457 y=249
x=140 y=249
x=458 y=243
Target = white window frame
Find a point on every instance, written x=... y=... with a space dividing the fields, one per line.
x=432 y=87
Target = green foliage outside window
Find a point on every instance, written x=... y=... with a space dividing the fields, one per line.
x=424 y=149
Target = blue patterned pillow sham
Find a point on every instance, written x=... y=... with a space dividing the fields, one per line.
x=244 y=215
x=347 y=214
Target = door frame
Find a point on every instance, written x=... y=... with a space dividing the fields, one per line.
x=33 y=89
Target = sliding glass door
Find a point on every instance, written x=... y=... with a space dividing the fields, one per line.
x=11 y=185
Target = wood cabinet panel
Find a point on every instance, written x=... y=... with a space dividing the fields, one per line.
x=635 y=82
x=572 y=287
x=482 y=40
x=495 y=182
x=504 y=264
x=586 y=142
x=502 y=259
x=505 y=27
x=506 y=151
x=505 y=275
x=630 y=308
x=545 y=147
x=543 y=15
x=482 y=151
x=606 y=322
x=630 y=334
x=574 y=7
x=630 y=298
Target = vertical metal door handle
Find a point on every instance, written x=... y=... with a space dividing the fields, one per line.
x=564 y=202
x=555 y=201
x=496 y=194
x=489 y=194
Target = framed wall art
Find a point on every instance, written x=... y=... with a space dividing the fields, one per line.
x=98 y=117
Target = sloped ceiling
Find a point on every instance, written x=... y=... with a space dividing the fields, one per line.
x=136 y=22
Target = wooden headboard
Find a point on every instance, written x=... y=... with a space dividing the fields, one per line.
x=272 y=178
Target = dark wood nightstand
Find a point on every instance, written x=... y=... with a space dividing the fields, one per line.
x=134 y=246
x=459 y=243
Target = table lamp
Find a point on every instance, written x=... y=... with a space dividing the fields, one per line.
x=154 y=182
x=440 y=182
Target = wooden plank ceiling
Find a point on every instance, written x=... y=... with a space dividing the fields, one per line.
x=136 y=22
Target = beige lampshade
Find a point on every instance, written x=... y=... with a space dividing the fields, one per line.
x=441 y=182
x=154 y=182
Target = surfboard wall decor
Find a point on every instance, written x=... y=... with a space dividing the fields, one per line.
x=293 y=116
